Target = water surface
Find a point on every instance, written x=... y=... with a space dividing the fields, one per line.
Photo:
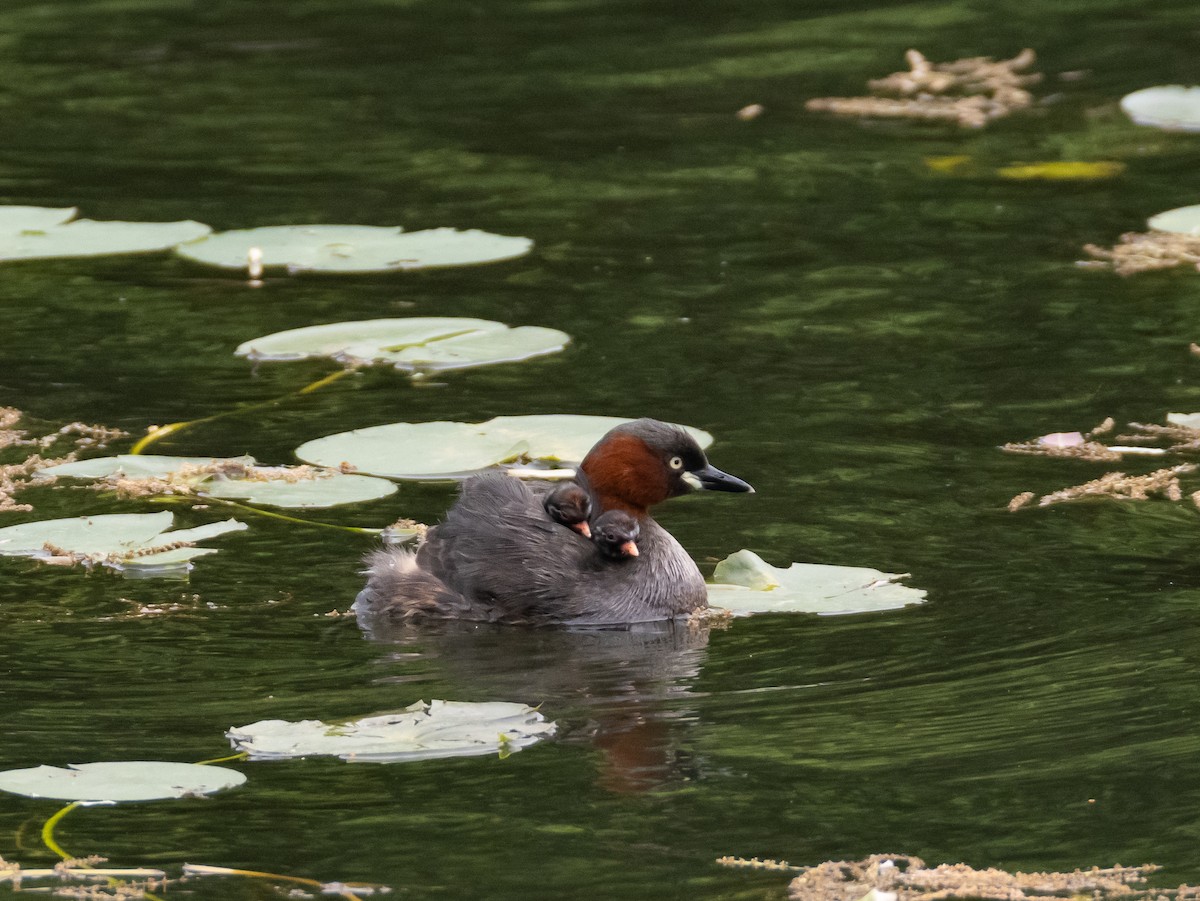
x=857 y=331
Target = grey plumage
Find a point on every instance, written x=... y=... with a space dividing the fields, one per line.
x=499 y=558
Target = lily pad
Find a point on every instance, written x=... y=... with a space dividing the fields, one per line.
x=1184 y=220
x=132 y=465
x=88 y=238
x=746 y=584
x=354 y=248
x=127 y=780
x=1187 y=420
x=34 y=218
x=420 y=732
x=137 y=542
x=1170 y=107
x=419 y=343
x=233 y=478
x=455 y=450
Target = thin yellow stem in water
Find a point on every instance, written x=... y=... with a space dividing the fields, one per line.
x=159 y=433
x=327 y=380
x=48 y=831
x=202 y=870
x=358 y=530
x=240 y=755
x=163 y=431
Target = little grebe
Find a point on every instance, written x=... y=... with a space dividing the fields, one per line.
x=615 y=534
x=498 y=557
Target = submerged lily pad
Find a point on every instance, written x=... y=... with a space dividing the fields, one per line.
x=1171 y=107
x=354 y=248
x=127 y=780
x=1184 y=220
x=420 y=732
x=136 y=542
x=454 y=450
x=419 y=343
x=744 y=584
x=88 y=238
x=233 y=478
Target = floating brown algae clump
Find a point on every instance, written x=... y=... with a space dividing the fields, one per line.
x=1145 y=252
x=967 y=92
x=1179 y=438
x=1092 y=451
x=15 y=476
x=908 y=879
x=1077 y=445
x=1118 y=486
x=190 y=478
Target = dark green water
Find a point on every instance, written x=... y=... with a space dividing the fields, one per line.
x=858 y=332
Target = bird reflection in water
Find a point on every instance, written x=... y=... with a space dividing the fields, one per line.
x=625 y=691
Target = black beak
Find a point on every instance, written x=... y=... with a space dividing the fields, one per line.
x=712 y=479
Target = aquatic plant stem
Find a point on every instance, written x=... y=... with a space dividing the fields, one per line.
x=240 y=755
x=49 y=842
x=191 y=499
x=48 y=830
x=202 y=870
x=171 y=428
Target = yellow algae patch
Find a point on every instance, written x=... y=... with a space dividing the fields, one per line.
x=1062 y=171
x=953 y=164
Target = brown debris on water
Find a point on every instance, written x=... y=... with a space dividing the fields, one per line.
x=1092 y=451
x=908 y=879
x=84 y=878
x=1118 y=486
x=15 y=476
x=189 y=479
x=1144 y=252
x=1021 y=500
x=1179 y=438
x=1141 y=439
x=968 y=92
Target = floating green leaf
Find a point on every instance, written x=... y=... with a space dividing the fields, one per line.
x=419 y=343
x=33 y=218
x=746 y=584
x=326 y=489
x=1184 y=220
x=135 y=542
x=1170 y=107
x=126 y=780
x=420 y=732
x=133 y=466
x=88 y=238
x=227 y=478
x=452 y=450
x=353 y=248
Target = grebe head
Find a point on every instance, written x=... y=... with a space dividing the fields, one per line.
x=615 y=534
x=645 y=462
x=570 y=505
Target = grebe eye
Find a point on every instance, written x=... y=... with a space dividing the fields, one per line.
x=677 y=462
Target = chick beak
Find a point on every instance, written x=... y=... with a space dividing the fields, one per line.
x=629 y=549
x=583 y=529
x=710 y=478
